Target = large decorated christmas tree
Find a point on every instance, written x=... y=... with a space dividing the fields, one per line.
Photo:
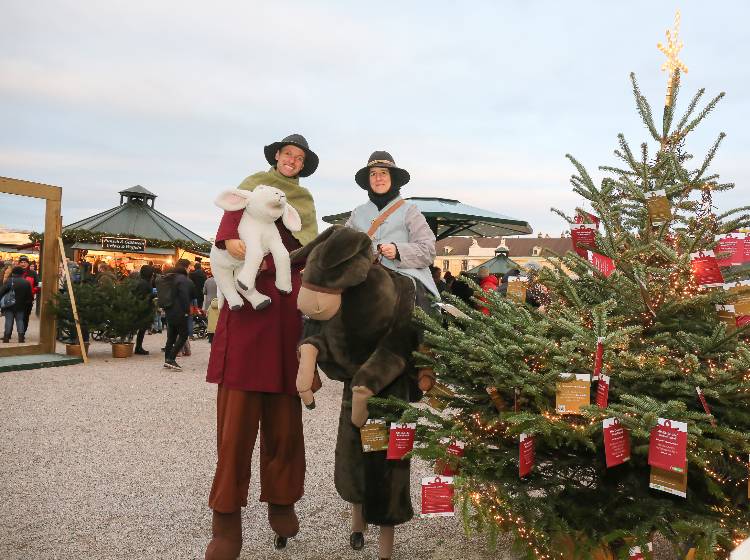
x=621 y=408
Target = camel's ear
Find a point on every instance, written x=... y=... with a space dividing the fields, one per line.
x=291 y=218
x=302 y=253
x=235 y=199
x=342 y=247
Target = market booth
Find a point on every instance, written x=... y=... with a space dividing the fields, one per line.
x=132 y=234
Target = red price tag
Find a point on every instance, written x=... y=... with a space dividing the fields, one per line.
x=401 y=440
x=746 y=253
x=635 y=552
x=603 y=264
x=602 y=392
x=667 y=447
x=706 y=270
x=598 y=358
x=583 y=217
x=730 y=249
x=437 y=496
x=616 y=442
x=525 y=455
x=581 y=234
x=454 y=451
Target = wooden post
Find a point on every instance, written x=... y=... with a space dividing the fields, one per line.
x=64 y=260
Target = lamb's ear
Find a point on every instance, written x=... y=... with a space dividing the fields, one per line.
x=235 y=199
x=301 y=254
x=291 y=218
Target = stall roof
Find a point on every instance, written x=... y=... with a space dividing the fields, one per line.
x=134 y=216
x=148 y=251
x=450 y=217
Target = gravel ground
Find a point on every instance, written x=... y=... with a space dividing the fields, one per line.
x=114 y=460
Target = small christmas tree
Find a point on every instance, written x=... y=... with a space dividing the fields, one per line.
x=630 y=301
x=91 y=311
x=125 y=312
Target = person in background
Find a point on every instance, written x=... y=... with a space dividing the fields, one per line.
x=198 y=276
x=210 y=306
x=17 y=312
x=440 y=283
x=177 y=314
x=448 y=279
x=105 y=277
x=33 y=279
x=144 y=290
x=503 y=288
x=488 y=282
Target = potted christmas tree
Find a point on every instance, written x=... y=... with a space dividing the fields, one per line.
x=91 y=312
x=623 y=409
x=126 y=313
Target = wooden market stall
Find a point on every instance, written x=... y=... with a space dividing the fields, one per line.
x=132 y=234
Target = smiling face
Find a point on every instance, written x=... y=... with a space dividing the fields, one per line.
x=290 y=160
x=380 y=180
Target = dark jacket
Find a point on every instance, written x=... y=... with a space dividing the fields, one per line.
x=198 y=276
x=183 y=295
x=23 y=292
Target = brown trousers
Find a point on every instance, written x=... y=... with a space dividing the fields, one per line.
x=282 y=448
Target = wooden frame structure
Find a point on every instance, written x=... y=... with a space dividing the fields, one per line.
x=50 y=253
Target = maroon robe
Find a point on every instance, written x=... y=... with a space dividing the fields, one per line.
x=257 y=350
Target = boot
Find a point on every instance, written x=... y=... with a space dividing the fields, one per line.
x=283 y=520
x=22 y=337
x=226 y=532
x=6 y=339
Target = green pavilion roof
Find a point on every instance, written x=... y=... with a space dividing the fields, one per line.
x=137 y=217
x=450 y=217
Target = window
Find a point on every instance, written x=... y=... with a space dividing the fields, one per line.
x=446 y=266
x=464 y=265
x=447 y=250
x=536 y=251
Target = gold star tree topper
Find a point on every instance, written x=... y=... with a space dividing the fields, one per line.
x=672 y=51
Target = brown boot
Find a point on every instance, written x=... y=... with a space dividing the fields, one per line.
x=227 y=536
x=283 y=520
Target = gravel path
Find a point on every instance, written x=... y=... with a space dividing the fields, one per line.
x=114 y=460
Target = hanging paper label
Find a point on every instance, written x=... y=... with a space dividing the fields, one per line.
x=705 y=270
x=401 y=440
x=374 y=435
x=727 y=316
x=497 y=400
x=659 y=209
x=603 y=264
x=437 y=496
x=598 y=357
x=730 y=249
x=669 y=481
x=436 y=397
x=517 y=286
x=602 y=392
x=635 y=552
x=584 y=237
x=572 y=395
x=741 y=301
x=449 y=465
x=746 y=256
x=616 y=442
x=667 y=447
x=525 y=455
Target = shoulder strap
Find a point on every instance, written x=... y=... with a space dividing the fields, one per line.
x=377 y=222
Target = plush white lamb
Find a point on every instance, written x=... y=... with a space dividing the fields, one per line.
x=263 y=206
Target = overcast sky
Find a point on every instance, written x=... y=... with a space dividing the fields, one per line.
x=480 y=101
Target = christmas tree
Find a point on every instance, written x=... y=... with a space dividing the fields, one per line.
x=636 y=302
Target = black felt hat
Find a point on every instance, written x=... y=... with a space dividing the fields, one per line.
x=311 y=158
x=399 y=177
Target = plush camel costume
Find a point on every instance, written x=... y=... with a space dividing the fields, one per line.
x=367 y=342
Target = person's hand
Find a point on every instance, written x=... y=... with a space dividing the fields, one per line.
x=359 y=405
x=388 y=250
x=236 y=248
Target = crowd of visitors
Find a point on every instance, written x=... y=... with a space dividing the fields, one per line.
x=20 y=285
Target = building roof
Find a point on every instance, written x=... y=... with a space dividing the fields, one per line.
x=136 y=218
x=448 y=217
x=517 y=246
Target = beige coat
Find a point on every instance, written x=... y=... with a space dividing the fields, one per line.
x=213 y=315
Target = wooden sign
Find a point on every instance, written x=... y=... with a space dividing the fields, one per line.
x=573 y=394
x=123 y=245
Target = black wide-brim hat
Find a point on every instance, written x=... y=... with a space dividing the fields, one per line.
x=399 y=177
x=311 y=158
